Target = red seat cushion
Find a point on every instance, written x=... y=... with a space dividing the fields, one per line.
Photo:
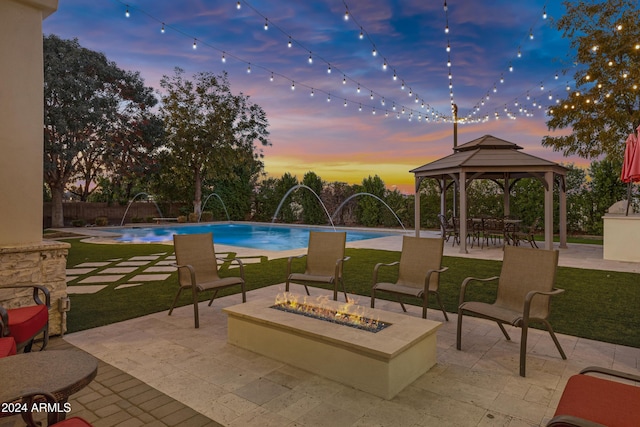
x=7 y=346
x=603 y=401
x=25 y=322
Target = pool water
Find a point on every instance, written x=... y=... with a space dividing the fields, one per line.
x=267 y=237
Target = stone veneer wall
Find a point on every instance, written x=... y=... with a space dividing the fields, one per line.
x=43 y=264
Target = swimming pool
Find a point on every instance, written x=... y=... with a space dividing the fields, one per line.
x=267 y=237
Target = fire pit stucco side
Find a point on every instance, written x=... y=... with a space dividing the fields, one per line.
x=381 y=363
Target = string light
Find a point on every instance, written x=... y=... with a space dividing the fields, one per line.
x=293 y=85
x=310 y=58
x=224 y=59
x=238 y=6
x=544 y=12
x=271 y=78
x=329 y=69
x=266 y=24
x=162 y=29
x=195 y=44
x=289 y=44
x=126 y=13
x=249 y=68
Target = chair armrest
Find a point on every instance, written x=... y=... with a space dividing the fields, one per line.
x=290 y=259
x=427 y=278
x=465 y=282
x=232 y=260
x=529 y=297
x=380 y=264
x=4 y=322
x=36 y=290
x=192 y=272
x=611 y=372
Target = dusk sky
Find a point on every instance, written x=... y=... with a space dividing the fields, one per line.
x=311 y=133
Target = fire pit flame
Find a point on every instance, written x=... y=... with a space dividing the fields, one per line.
x=349 y=314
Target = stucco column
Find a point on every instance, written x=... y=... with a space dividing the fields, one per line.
x=416 y=207
x=21 y=119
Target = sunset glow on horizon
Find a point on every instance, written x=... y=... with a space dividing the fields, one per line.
x=342 y=124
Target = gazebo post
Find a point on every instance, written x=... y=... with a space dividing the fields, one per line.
x=507 y=196
x=548 y=211
x=463 y=211
x=562 y=190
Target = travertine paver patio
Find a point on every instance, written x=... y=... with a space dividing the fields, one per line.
x=478 y=386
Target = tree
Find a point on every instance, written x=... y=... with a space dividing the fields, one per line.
x=605 y=105
x=370 y=208
x=312 y=208
x=209 y=129
x=86 y=97
x=290 y=207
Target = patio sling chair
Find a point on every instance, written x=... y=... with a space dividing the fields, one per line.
x=527 y=236
x=525 y=286
x=599 y=400
x=25 y=323
x=198 y=269
x=448 y=229
x=325 y=258
x=418 y=273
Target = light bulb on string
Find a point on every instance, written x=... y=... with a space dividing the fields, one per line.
x=373 y=111
x=530 y=33
x=495 y=89
x=271 y=78
x=224 y=59
x=360 y=107
x=329 y=97
x=162 y=29
x=289 y=44
x=541 y=86
x=345 y=102
x=556 y=77
x=346 y=15
x=293 y=85
x=310 y=58
x=126 y=12
x=361 y=34
x=374 y=52
x=312 y=93
x=249 y=69
x=519 y=52
x=371 y=95
x=410 y=92
x=448 y=47
x=402 y=86
x=446 y=29
x=501 y=78
x=544 y=12
x=384 y=65
x=510 y=68
x=344 y=80
x=395 y=76
x=266 y=24
x=195 y=44
x=382 y=101
x=445 y=5
x=528 y=97
x=328 y=68
x=358 y=88
x=238 y=6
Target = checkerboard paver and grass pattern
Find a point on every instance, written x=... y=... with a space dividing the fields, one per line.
x=122 y=273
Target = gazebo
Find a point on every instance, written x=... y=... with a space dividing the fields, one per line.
x=501 y=161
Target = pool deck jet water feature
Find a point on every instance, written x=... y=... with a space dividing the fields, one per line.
x=381 y=363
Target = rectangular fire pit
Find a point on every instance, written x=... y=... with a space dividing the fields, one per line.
x=381 y=363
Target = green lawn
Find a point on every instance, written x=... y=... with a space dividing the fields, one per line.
x=600 y=305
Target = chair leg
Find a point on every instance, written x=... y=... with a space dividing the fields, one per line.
x=373 y=297
x=504 y=331
x=173 y=304
x=441 y=306
x=523 y=350
x=555 y=340
x=213 y=297
x=196 y=315
x=425 y=302
x=344 y=290
x=459 y=330
x=244 y=294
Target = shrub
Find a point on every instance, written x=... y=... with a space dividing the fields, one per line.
x=182 y=219
x=207 y=216
x=101 y=221
x=193 y=217
x=78 y=222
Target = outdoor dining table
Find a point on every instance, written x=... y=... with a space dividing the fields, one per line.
x=58 y=372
